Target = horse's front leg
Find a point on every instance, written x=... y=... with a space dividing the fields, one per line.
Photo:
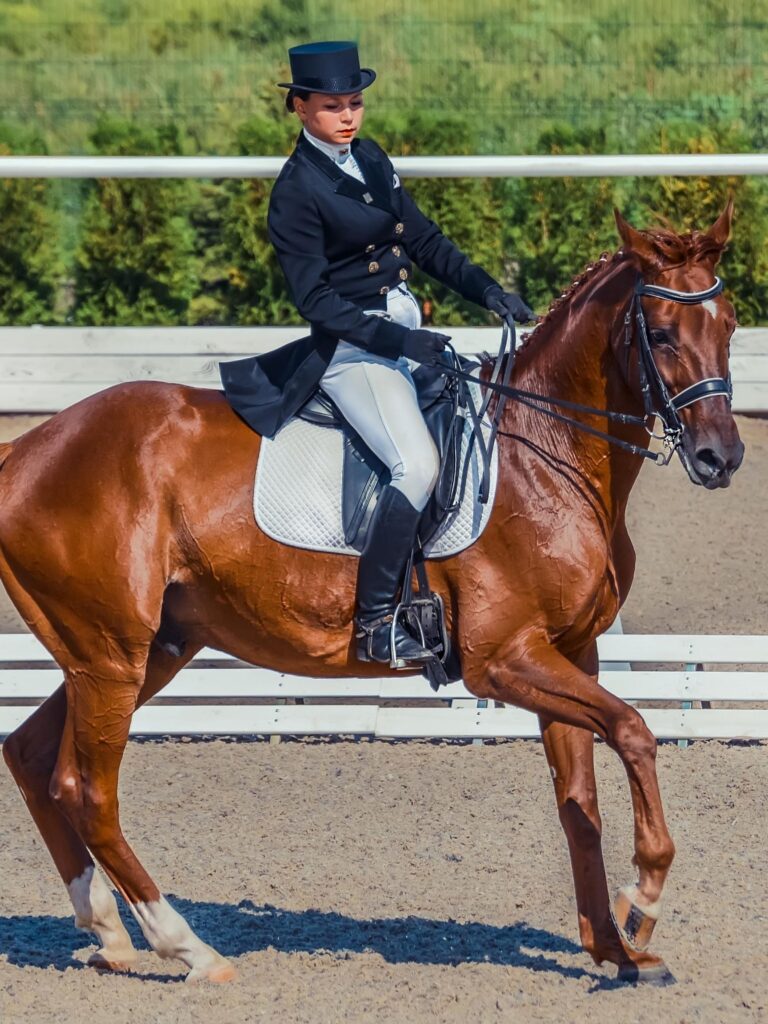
x=570 y=756
x=532 y=674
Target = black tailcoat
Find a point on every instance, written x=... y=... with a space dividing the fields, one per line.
x=342 y=245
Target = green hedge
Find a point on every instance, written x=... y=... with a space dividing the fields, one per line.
x=148 y=252
x=30 y=259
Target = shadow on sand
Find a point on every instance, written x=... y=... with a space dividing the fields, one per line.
x=46 y=941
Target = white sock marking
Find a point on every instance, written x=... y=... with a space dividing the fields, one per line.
x=96 y=911
x=170 y=935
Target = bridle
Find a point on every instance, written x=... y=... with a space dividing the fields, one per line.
x=657 y=401
x=668 y=406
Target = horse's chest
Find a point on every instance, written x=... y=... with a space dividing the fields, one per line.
x=571 y=568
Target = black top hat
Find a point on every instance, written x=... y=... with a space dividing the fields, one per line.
x=331 y=67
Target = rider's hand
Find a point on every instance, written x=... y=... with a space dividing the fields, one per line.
x=507 y=304
x=425 y=346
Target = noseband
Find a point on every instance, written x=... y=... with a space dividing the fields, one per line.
x=657 y=400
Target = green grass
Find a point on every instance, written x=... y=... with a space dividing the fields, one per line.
x=513 y=69
x=455 y=76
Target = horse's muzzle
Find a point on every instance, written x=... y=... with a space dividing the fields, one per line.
x=711 y=464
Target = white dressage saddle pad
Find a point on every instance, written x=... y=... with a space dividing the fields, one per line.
x=297 y=497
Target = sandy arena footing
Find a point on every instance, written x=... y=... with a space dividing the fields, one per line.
x=420 y=881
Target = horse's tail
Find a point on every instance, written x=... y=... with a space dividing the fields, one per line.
x=5 y=451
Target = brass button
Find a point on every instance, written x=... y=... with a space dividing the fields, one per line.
x=403 y=274
x=370 y=248
x=399 y=228
x=373 y=266
x=384 y=289
x=396 y=250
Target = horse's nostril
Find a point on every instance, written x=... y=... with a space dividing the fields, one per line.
x=709 y=460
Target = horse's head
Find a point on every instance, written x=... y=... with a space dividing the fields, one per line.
x=689 y=337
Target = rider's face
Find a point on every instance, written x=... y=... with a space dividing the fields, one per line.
x=330 y=118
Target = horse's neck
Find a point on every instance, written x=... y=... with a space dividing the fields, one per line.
x=573 y=359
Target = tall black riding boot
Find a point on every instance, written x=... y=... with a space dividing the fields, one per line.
x=391 y=534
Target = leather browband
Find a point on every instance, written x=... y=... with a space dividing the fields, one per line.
x=656 y=291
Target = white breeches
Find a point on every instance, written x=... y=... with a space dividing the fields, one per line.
x=377 y=397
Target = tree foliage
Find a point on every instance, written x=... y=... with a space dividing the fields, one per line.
x=240 y=279
x=154 y=251
x=30 y=263
x=463 y=208
x=554 y=226
x=135 y=263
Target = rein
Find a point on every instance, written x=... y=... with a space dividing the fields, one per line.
x=657 y=402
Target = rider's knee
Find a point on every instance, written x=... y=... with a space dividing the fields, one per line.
x=417 y=476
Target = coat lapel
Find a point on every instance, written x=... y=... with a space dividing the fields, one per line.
x=376 y=177
x=373 y=193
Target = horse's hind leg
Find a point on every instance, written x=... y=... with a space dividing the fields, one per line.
x=570 y=756
x=30 y=752
x=100 y=703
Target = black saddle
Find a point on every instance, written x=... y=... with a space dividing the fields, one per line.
x=440 y=398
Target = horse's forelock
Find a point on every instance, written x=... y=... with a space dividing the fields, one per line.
x=675 y=250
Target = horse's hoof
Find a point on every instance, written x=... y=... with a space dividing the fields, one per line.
x=659 y=975
x=113 y=960
x=635 y=922
x=218 y=973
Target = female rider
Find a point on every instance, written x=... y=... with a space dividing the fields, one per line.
x=347 y=233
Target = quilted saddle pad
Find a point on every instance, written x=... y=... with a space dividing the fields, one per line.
x=297 y=497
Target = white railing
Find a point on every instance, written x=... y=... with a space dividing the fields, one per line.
x=645 y=165
x=45 y=369
x=284 y=702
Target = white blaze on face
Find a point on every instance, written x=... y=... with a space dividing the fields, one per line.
x=711 y=307
x=96 y=911
x=170 y=936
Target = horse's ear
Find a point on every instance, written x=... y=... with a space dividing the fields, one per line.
x=636 y=243
x=720 y=231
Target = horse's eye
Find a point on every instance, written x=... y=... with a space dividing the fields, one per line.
x=660 y=337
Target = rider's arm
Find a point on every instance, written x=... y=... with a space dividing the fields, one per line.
x=296 y=231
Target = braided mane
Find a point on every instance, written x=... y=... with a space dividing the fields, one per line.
x=671 y=250
x=586 y=275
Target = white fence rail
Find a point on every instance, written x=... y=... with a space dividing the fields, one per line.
x=37 y=378
x=627 y=165
x=243 y=700
x=44 y=369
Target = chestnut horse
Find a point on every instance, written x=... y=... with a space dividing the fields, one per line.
x=126 y=523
